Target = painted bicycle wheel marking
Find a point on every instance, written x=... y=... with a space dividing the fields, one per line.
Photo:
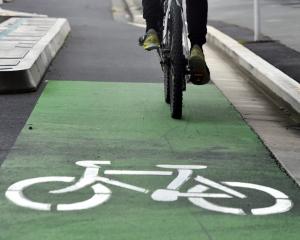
x=197 y=194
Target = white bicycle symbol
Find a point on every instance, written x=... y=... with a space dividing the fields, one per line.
x=197 y=195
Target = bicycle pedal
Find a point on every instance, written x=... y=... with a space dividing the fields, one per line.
x=141 y=40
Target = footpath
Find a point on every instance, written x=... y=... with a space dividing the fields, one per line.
x=104 y=160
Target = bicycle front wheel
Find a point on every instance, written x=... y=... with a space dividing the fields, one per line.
x=177 y=61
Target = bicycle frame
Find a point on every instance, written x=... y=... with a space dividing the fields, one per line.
x=185 y=40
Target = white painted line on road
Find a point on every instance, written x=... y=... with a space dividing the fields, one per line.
x=282 y=204
x=102 y=194
x=145 y=173
x=219 y=186
x=15 y=192
x=122 y=185
x=201 y=202
x=183 y=176
x=188 y=167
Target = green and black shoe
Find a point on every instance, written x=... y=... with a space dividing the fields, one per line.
x=200 y=74
x=150 y=41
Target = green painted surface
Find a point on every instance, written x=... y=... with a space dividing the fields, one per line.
x=129 y=124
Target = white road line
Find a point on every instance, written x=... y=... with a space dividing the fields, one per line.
x=122 y=185
x=219 y=186
x=102 y=194
x=188 y=167
x=145 y=173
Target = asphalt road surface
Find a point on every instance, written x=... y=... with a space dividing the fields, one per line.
x=98 y=49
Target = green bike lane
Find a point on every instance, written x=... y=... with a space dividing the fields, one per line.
x=128 y=124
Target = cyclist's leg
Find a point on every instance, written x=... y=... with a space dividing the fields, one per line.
x=153 y=14
x=197 y=21
x=197 y=24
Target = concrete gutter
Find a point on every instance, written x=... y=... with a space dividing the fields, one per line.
x=276 y=84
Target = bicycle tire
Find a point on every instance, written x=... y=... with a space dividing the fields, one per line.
x=167 y=84
x=165 y=53
x=177 y=62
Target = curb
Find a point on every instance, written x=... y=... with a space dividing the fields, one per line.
x=274 y=81
x=282 y=88
x=26 y=73
x=9 y=13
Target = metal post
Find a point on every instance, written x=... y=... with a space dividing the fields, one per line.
x=257 y=20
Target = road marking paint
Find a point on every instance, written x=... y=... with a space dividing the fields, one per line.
x=202 y=203
x=182 y=177
x=83 y=182
x=123 y=185
x=189 y=167
x=144 y=173
x=195 y=195
x=15 y=192
x=282 y=204
x=219 y=186
x=92 y=163
x=169 y=195
x=102 y=194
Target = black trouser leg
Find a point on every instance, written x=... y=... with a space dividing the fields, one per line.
x=197 y=21
x=196 y=16
x=153 y=13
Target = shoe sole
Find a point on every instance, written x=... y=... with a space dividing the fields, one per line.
x=151 y=47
